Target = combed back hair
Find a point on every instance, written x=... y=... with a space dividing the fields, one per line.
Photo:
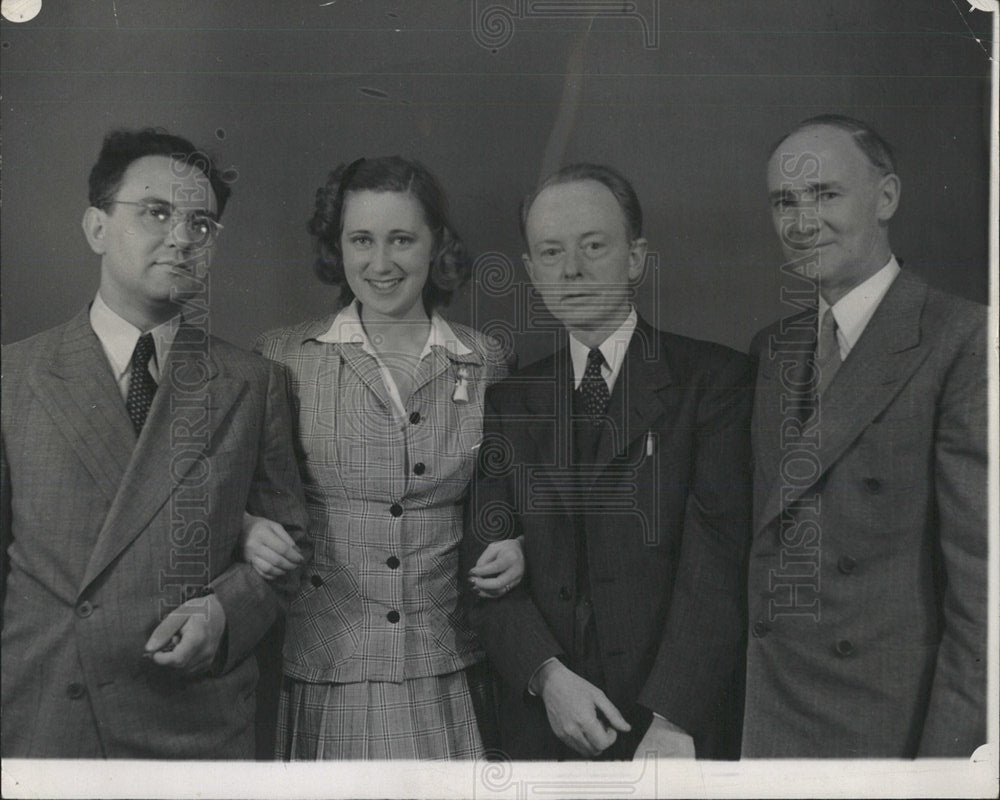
x=450 y=267
x=616 y=183
x=121 y=147
x=876 y=149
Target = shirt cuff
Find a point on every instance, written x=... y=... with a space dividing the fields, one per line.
x=532 y=688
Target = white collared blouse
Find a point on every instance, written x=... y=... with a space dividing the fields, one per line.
x=385 y=492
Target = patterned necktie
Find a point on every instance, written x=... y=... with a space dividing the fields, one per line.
x=141 y=387
x=827 y=352
x=593 y=395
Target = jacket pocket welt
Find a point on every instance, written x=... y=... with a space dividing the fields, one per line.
x=325 y=619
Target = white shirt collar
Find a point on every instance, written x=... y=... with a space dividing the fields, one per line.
x=118 y=338
x=613 y=349
x=347 y=329
x=855 y=309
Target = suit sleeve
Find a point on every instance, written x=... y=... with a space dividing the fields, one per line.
x=698 y=664
x=956 y=715
x=512 y=630
x=250 y=602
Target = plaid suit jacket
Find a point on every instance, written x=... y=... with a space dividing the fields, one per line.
x=104 y=535
x=385 y=497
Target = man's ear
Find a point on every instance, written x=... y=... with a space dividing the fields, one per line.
x=95 y=228
x=888 y=199
x=636 y=258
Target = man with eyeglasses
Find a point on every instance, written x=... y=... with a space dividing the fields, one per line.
x=133 y=442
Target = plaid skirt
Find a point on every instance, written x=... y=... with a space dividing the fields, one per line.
x=420 y=718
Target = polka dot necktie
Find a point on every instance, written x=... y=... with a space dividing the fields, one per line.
x=593 y=395
x=141 y=387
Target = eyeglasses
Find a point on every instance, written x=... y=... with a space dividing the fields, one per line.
x=161 y=218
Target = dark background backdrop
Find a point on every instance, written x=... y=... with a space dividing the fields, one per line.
x=684 y=97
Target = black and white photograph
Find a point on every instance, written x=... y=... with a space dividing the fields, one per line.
x=499 y=399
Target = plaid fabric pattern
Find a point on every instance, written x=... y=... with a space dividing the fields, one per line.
x=385 y=494
x=420 y=718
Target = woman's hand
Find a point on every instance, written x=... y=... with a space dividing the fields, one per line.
x=499 y=569
x=268 y=548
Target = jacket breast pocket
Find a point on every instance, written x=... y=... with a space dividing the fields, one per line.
x=325 y=619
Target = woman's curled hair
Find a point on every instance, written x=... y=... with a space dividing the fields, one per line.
x=449 y=268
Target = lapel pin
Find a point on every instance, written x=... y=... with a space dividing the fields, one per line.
x=461 y=394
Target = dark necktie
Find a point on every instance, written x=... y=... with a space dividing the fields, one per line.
x=593 y=395
x=827 y=352
x=141 y=387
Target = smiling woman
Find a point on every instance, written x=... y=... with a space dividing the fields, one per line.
x=379 y=661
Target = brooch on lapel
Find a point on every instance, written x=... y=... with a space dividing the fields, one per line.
x=461 y=393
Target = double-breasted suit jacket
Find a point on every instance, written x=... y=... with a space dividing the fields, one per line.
x=104 y=535
x=867 y=580
x=666 y=515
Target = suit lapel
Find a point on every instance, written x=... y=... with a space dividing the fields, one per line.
x=190 y=390
x=78 y=390
x=638 y=399
x=784 y=353
x=548 y=406
x=886 y=355
x=367 y=368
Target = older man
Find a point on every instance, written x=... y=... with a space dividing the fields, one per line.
x=623 y=460
x=867 y=582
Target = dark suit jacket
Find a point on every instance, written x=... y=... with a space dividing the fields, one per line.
x=666 y=535
x=868 y=565
x=103 y=536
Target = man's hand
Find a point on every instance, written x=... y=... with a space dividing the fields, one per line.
x=499 y=569
x=579 y=713
x=189 y=636
x=664 y=740
x=268 y=548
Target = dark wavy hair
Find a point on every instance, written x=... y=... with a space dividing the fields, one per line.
x=121 y=147
x=450 y=267
x=613 y=180
x=876 y=149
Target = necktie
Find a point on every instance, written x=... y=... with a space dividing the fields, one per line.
x=827 y=352
x=141 y=387
x=593 y=394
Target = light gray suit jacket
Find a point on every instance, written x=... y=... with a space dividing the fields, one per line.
x=867 y=580
x=103 y=536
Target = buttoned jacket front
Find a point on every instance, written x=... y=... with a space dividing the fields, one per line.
x=385 y=494
x=867 y=577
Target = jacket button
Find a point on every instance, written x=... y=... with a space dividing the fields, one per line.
x=419 y=468
x=564 y=593
x=316 y=581
x=873 y=485
x=396 y=510
x=414 y=417
x=392 y=562
x=393 y=616
x=846 y=564
x=844 y=647
x=760 y=628
x=75 y=691
x=85 y=609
